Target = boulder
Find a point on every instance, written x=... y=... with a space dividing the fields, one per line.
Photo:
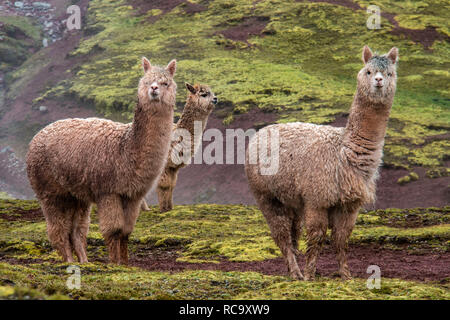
x=18 y=4
x=42 y=5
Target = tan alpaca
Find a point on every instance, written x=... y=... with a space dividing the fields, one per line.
x=325 y=174
x=75 y=162
x=199 y=105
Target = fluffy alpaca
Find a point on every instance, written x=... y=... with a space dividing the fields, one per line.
x=199 y=105
x=326 y=174
x=75 y=162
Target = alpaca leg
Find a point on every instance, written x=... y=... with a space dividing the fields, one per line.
x=144 y=205
x=59 y=226
x=124 y=249
x=80 y=229
x=164 y=199
x=342 y=223
x=111 y=220
x=165 y=188
x=316 y=221
x=296 y=231
x=131 y=213
x=280 y=221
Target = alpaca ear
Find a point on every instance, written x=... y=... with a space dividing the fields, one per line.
x=367 y=54
x=191 y=88
x=146 y=64
x=393 y=55
x=172 y=67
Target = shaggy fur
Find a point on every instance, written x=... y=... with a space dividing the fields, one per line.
x=326 y=174
x=75 y=162
x=199 y=105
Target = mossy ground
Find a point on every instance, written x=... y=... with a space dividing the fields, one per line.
x=19 y=36
x=99 y=281
x=206 y=233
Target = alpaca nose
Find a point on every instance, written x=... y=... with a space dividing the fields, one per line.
x=379 y=79
x=215 y=100
x=154 y=88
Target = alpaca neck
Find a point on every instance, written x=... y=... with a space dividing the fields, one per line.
x=364 y=134
x=187 y=121
x=151 y=125
x=189 y=116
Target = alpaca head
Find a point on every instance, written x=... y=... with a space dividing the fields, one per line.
x=157 y=84
x=201 y=98
x=377 y=80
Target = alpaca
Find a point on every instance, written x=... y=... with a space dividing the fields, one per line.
x=326 y=174
x=73 y=163
x=199 y=105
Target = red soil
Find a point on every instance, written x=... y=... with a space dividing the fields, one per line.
x=250 y=26
x=399 y=264
x=24 y=215
x=393 y=264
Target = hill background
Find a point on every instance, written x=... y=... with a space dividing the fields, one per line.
x=267 y=61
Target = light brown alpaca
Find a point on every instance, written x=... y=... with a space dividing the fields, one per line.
x=199 y=105
x=75 y=162
x=326 y=174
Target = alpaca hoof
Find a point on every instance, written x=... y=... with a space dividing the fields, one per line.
x=68 y=260
x=309 y=277
x=346 y=275
x=297 y=275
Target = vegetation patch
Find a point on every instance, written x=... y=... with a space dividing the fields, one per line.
x=99 y=281
x=213 y=233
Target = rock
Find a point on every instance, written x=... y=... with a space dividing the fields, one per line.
x=42 y=5
x=18 y=4
x=43 y=109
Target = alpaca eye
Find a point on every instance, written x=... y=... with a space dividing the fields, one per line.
x=368 y=72
x=165 y=84
x=389 y=74
x=204 y=94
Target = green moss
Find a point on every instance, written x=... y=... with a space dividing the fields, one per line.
x=216 y=232
x=438 y=172
x=24 y=24
x=99 y=281
x=412 y=176
x=18 y=36
x=4 y=195
x=405 y=217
